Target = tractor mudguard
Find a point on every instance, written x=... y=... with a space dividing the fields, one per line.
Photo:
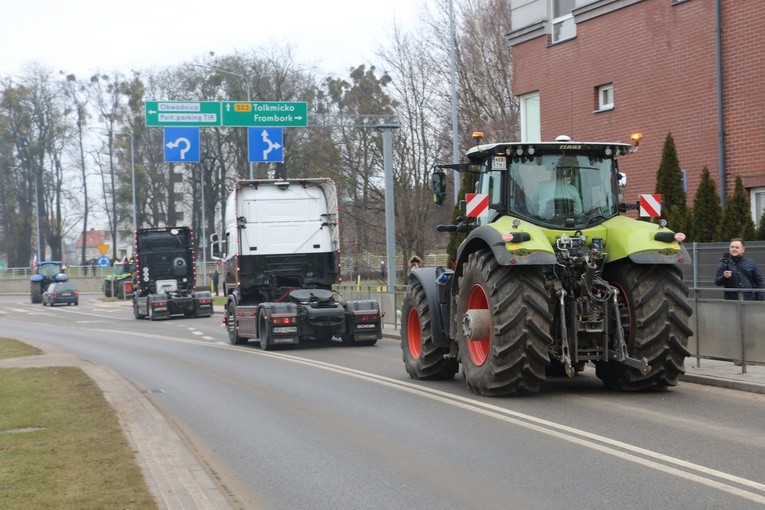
x=536 y=251
x=636 y=240
x=436 y=283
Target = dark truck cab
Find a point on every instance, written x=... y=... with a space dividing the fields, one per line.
x=164 y=279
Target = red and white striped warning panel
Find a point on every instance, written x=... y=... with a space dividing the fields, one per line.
x=477 y=205
x=650 y=205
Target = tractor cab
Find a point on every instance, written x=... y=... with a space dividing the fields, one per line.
x=559 y=185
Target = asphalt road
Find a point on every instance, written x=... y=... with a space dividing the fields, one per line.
x=334 y=427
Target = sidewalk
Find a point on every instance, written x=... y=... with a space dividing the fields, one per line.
x=723 y=374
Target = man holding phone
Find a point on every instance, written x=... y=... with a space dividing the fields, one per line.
x=738 y=272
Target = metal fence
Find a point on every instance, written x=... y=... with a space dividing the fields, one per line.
x=724 y=330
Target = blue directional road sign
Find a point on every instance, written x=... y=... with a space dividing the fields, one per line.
x=265 y=145
x=104 y=261
x=181 y=144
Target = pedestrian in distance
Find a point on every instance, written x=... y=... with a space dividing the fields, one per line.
x=738 y=272
x=415 y=262
x=214 y=277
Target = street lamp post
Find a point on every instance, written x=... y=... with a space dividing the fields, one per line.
x=132 y=179
x=390 y=219
x=207 y=166
x=249 y=91
x=453 y=74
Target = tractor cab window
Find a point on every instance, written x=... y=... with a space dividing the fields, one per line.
x=49 y=270
x=563 y=190
x=491 y=183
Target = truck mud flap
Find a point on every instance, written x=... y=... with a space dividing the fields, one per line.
x=363 y=321
x=157 y=307
x=203 y=304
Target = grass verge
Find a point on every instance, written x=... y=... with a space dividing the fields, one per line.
x=61 y=445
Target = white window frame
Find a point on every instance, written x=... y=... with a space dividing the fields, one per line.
x=563 y=26
x=757 y=201
x=606 y=97
x=531 y=117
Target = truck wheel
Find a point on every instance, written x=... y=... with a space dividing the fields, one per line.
x=263 y=329
x=503 y=329
x=232 y=326
x=654 y=316
x=423 y=359
x=35 y=291
x=136 y=311
x=107 y=289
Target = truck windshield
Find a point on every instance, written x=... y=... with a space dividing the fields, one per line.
x=562 y=190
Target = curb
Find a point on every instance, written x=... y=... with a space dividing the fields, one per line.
x=722 y=382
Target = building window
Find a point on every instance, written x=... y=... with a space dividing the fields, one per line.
x=605 y=97
x=757 y=199
x=563 y=26
x=531 y=120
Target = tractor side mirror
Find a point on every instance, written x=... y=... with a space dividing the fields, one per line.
x=439 y=187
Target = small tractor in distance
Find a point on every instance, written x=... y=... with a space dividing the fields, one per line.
x=114 y=284
x=46 y=273
x=543 y=285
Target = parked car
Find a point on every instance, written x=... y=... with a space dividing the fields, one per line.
x=61 y=292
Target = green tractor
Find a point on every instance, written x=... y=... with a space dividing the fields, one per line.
x=114 y=284
x=46 y=273
x=552 y=275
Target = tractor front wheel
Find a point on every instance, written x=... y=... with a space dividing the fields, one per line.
x=423 y=359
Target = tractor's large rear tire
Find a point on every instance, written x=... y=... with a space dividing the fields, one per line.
x=232 y=326
x=509 y=345
x=35 y=292
x=107 y=288
x=654 y=313
x=423 y=359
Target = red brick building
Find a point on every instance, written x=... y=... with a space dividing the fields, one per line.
x=603 y=69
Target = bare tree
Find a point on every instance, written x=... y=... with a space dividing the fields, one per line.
x=77 y=94
x=416 y=82
x=109 y=104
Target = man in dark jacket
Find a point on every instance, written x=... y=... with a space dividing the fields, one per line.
x=738 y=272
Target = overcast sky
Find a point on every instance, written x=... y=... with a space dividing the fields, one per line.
x=82 y=36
